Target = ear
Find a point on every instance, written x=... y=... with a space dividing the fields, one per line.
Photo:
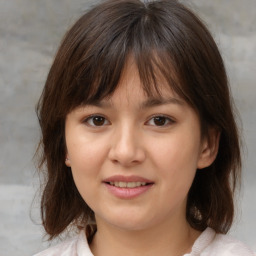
x=209 y=149
x=67 y=161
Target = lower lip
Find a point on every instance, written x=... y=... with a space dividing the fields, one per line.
x=127 y=193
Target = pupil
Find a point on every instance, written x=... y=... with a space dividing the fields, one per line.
x=98 y=120
x=159 y=121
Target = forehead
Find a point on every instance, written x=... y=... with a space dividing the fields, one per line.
x=152 y=81
x=131 y=90
x=132 y=83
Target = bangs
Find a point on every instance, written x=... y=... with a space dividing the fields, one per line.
x=103 y=52
x=154 y=68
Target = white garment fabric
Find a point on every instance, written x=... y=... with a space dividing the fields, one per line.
x=208 y=244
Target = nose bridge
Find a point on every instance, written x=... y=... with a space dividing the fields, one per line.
x=126 y=144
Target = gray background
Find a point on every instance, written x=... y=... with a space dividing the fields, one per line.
x=30 y=32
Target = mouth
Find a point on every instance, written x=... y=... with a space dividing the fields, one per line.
x=122 y=184
x=127 y=187
x=121 y=181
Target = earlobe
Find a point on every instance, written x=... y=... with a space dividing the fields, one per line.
x=67 y=161
x=210 y=147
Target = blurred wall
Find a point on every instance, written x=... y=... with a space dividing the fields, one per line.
x=30 y=32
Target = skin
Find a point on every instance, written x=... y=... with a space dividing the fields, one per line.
x=128 y=140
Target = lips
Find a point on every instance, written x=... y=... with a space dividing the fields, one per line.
x=127 y=187
x=121 y=178
x=122 y=184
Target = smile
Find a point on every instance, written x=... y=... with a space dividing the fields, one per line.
x=122 y=184
x=127 y=187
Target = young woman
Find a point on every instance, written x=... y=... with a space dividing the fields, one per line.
x=140 y=149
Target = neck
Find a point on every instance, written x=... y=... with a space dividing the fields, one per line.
x=172 y=239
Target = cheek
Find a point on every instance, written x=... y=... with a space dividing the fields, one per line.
x=86 y=162
x=176 y=151
x=176 y=159
x=86 y=153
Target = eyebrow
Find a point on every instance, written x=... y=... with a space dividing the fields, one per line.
x=148 y=103
x=153 y=102
x=100 y=104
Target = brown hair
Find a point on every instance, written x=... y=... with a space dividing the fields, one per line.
x=164 y=37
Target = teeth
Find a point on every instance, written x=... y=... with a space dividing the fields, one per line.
x=122 y=184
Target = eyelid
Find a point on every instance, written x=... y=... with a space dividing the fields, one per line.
x=89 y=117
x=170 y=119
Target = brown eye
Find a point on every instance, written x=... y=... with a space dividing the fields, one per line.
x=96 y=121
x=160 y=121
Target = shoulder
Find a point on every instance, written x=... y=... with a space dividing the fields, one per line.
x=76 y=246
x=229 y=246
x=65 y=248
x=225 y=245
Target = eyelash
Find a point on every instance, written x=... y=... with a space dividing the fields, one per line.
x=167 y=121
x=91 y=117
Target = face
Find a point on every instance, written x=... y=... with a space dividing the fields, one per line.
x=134 y=158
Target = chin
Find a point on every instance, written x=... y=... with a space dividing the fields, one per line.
x=128 y=226
x=132 y=222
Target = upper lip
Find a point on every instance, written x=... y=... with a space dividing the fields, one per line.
x=122 y=178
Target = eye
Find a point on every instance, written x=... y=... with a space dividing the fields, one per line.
x=96 y=121
x=160 y=121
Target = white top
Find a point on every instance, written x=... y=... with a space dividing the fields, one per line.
x=208 y=244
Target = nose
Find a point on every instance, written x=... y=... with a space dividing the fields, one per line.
x=127 y=147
